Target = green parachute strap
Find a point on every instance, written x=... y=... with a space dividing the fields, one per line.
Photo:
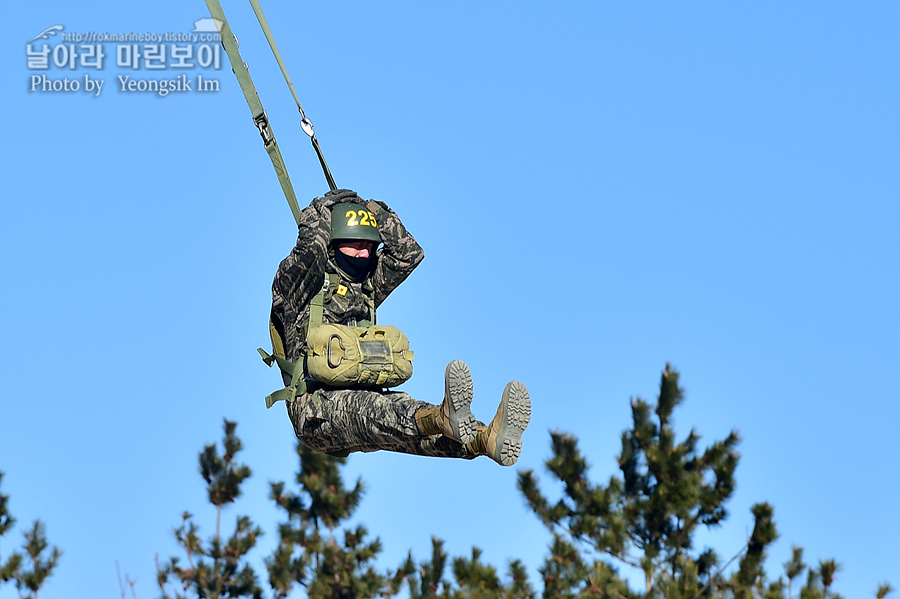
x=317 y=305
x=305 y=123
x=329 y=286
x=260 y=119
x=296 y=370
x=282 y=394
x=292 y=369
x=369 y=293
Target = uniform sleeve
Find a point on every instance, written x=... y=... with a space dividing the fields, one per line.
x=301 y=274
x=399 y=255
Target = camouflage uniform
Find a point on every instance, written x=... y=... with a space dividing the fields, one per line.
x=358 y=419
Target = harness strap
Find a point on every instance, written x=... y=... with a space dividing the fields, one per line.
x=296 y=371
x=369 y=294
x=260 y=118
x=317 y=305
x=305 y=123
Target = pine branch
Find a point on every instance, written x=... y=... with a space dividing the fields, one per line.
x=161 y=578
x=722 y=570
x=41 y=566
x=119 y=576
x=128 y=581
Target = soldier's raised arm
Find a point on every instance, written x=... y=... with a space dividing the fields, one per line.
x=399 y=255
x=301 y=274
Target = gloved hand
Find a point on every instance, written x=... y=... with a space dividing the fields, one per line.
x=376 y=205
x=322 y=204
x=337 y=196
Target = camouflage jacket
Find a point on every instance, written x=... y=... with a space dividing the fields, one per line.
x=302 y=274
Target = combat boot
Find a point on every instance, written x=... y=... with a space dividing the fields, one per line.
x=501 y=440
x=453 y=418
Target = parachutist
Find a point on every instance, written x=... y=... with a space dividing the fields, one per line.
x=348 y=259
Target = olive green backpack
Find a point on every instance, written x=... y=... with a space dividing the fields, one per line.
x=341 y=356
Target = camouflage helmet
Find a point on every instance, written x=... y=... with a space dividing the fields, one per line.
x=353 y=221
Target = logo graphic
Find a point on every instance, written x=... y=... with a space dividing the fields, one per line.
x=46 y=33
x=207 y=25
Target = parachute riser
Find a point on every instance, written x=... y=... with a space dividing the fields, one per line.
x=260 y=118
x=305 y=124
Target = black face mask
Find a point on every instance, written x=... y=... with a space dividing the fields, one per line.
x=355 y=268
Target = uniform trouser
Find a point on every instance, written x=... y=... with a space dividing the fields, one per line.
x=336 y=420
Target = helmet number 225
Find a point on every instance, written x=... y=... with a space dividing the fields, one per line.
x=365 y=217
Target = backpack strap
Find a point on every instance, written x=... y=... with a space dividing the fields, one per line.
x=369 y=293
x=317 y=305
x=296 y=371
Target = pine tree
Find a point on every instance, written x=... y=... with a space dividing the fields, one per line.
x=794 y=567
x=425 y=580
x=309 y=553
x=31 y=570
x=215 y=568
x=334 y=564
x=477 y=580
x=313 y=551
x=473 y=579
x=884 y=589
x=647 y=517
x=9 y=569
x=31 y=578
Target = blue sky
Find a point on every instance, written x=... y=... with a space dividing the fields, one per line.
x=713 y=184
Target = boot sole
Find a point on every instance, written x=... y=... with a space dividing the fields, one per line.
x=516 y=406
x=458 y=394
